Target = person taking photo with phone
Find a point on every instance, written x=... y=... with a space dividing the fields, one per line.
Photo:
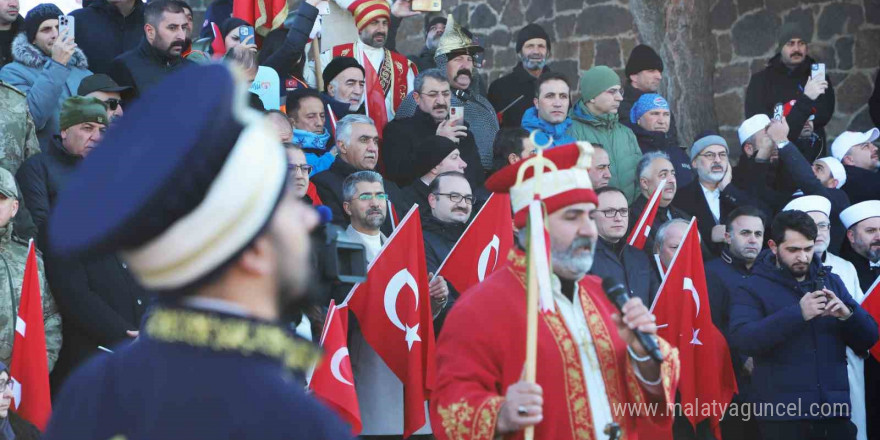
x=47 y=67
x=789 y=76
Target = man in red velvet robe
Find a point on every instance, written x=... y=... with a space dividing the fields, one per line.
x=592 y=372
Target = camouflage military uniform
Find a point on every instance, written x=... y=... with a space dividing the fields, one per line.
x=13 y=257
x=18 y=141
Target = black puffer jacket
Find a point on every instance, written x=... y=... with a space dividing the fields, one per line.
x=6 y=49
x=440 y=237
x=103 y=33
x=41 y=178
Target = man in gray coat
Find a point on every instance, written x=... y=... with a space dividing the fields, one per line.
x=47 y=66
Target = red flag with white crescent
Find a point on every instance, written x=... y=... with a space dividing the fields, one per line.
x=394 y=312
x=264 y=15
x=29 y=371
x=871 y=304
x=684 y=319
x=333 y=380
x=484 y=244
x=639 y=235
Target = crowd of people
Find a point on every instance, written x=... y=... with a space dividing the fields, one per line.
x=790 y=235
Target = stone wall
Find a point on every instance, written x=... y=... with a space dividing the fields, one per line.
x=588 y=32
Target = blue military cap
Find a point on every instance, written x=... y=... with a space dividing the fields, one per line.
x=179 y=186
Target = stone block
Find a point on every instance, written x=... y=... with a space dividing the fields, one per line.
x=566 y=50
x=824 y=53
x=853 y=92
x=564 y=26
x=725 y=48
x=505 y=58
x=483 y=17
x=862 y=121
x=755 y=35
x=834 y=18
x=587 y=54
x=497 y=5
x=731 y=77
x=872 y=11
x=626 y=47
x=569 y=68
x=844 y=48
x=512 y=16
x=604 y=20
x=867 y=42
x=538 y=9
x=501 y=38
x=729 y=109
x=722 y=15
x=748 y=5
x=608 y=53
x=757 y=65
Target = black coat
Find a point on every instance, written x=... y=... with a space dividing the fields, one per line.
x=328 y=183
x=40 y=179
x=867 y=274
x=630 y=96
x=727 y=273
x=691 y=199
x=99 y=301
x=861 y=184
x=630 y=266
x=776 y=84
x=505 y=90
x=874 y=102
x=402 y=139
x=663 y=215
x=440 y=237
x=290 y=52
x=144 y=67
x=650 y=141
x=412 y=194
x=424 y=60
x=6 y=49
x=103 y=33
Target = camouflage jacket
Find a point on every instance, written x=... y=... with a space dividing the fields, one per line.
x=13 y=257
x=18 y=138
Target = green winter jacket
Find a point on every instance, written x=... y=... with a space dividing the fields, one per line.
x=13 y=257
x=618 y=140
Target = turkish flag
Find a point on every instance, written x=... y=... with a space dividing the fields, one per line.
x=218 y=45
x=685 y=320
x=639 y=235
x=264 y=15
x=29 y=371
x=333 y=381
x=394 y=312
x=871 y=304
x=485 y=242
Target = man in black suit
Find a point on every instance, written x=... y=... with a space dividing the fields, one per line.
x=711 y=197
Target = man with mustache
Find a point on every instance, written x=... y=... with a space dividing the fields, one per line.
x=357 y=144
x=859 y=156
x=403 y=137
x=10 y=25
x=588 y=356
x=549 y=116
x=819 y=209
x=711 y=197
x=652 y=168
x=614 y=257
x=344 y=87
x=643 y=71
x=455 y=58
x=159 y=53
x=650 y=119
x=511 y=95
x=307 y=115
x=389 y=75
x=788 y=77
x=434 y=28
x=595 y=119
x=862 y=249
x=796 y=319
x=600 y=170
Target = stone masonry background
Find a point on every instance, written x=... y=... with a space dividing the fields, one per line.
x=846 y=37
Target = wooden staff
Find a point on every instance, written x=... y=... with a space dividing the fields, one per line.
x=316 y=55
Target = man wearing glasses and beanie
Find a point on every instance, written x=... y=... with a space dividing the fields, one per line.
x=105 y=89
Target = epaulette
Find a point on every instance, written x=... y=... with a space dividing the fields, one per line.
x=11 y=87
x=24 y=242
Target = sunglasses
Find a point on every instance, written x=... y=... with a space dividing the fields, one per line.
x=113 y=103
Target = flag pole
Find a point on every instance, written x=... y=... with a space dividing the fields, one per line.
x=316 y=55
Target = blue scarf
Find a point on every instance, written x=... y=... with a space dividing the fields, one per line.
x=545 y=130
x=310 y=141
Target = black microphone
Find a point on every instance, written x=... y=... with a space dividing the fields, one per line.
x=618 y=295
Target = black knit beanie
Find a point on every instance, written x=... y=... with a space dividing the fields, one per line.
x=36 y=17
x=643 y=57
x=430 y=152
x=231 y=23
x=431 y=21
x=529 y=32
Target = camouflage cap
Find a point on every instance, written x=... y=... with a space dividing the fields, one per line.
x=7 y=184
x=80 y=109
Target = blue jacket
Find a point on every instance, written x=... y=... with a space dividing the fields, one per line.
x=532 y=122
x=45 y=82
x=796 y=362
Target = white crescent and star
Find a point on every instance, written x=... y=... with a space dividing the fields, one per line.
x=689 y=285
x=483 y=262
x=335 y=361
x=392 y=290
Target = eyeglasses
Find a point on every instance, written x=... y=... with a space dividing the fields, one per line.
x=366 y=197
x=6 y=385
x=456 y=197
x=613 y=92
x=305 y=168
x=711 y=156
x=432 y=95
x=823 y=226
x=610 y=213
x=113 y=103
